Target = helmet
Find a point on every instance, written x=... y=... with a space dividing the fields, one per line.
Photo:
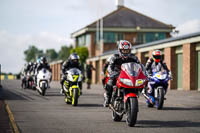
x=43 y=60
x=124 y=48
x=156 y=55
x=74 y=57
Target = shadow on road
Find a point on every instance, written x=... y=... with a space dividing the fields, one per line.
x=11 y=95
x=166 y=124
x=182 y=108
x=90 y=105
x=53 y=94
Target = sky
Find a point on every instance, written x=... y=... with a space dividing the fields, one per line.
x=49 y=23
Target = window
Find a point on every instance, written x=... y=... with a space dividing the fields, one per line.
x=81 y=41
x=149 y=37
x=140 y=38
x=88 y=40
x=111 y=37
x=119 y=36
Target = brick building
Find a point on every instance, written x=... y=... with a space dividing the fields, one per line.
x=182 y=54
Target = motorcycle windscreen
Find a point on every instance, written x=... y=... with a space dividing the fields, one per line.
x=73 y=71
x=131 y=68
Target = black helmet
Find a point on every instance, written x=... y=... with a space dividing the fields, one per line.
x=124 y=48
x=43 y=60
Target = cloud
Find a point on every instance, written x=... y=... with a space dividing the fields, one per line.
x=13 y=47
x=190 y=26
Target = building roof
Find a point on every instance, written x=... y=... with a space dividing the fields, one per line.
x=126 y=18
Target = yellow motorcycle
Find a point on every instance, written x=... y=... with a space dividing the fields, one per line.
x=72 y=86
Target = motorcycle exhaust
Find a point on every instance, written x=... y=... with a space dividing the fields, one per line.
x=112 y=108
x=148 y=98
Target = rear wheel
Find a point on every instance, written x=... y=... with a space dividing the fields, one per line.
x=132 y=110
x=160 y=99
x=75 y=97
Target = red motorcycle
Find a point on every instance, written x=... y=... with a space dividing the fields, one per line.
x=125 y=95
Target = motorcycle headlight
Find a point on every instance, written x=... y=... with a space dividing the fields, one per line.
x=69 y=77
x=139 y=82
x=126 y=81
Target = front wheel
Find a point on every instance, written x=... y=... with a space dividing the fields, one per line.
x=160 y=99
x=132 y=111
x=43 y=89
x=75 y=97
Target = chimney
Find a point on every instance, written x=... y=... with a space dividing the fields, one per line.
x=120 y=3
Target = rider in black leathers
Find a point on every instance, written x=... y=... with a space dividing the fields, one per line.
x=72 y=62
x=43 y=64
x=124 y=56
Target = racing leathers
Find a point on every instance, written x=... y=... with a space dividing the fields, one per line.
x=114 y=69
x=66 y=66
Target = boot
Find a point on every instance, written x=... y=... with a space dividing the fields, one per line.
x=107 y=99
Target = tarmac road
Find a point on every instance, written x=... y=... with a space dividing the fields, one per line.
x=49 y=114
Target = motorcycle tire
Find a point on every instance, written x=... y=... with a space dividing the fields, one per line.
x=132 y=111
x=160 y=99
x=75 y=97
x=43 y=89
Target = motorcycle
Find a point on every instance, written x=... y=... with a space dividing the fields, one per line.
x=43 y=81
x=29 y=81
x=125 y=95
x=72 y=86
x=159 y=89
x=23 y=79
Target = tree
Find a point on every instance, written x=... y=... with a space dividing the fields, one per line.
x=82 y=52
x=64 y=52
x=32 y=53
x=51 y=54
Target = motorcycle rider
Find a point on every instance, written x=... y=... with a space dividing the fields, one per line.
x=29 y=67
x=72 y=62
x=124 y=56
x=155 y=64
x=27 y=70
x=42 y=64
x=23 y=75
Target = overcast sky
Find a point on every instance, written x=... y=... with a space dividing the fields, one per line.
x=49 y=23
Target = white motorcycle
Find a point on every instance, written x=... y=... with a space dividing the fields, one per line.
x=43 y=81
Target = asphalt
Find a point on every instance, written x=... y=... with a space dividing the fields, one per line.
x=5 y=126
x=49 y=114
